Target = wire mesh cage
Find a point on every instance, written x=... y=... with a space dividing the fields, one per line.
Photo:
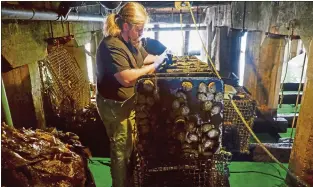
x=235 y=134
x=63 y=80
x=185 y=64
x=212 y=172
x=178 y=130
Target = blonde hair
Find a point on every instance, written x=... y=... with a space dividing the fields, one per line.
x=132 y=12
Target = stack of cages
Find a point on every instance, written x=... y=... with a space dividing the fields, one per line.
x=235 y=135
x=179 y=125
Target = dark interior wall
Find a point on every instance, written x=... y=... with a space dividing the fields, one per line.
x=228 y=43
x=23 y=45
x=18 y=90
x=274 y=17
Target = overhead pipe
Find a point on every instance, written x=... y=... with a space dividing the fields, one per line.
x=156 y=29
x=20 y=14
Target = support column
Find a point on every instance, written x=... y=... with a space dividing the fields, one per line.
x=186 y=39
x=301 y=158
x=294 y=48
x=156 y=34
x=263 y=69
x=252 y=60
x=93 y=50
x=36 y=90
x=270 y=70
x=210 y=37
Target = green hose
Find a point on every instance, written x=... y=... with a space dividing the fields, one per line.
x=5 y=106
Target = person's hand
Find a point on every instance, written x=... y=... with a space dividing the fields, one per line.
x=160 y=59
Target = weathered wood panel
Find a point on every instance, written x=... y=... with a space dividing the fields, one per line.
x=270 y=69
x=17 y=85
x=274 y=17
x=252 y=59
x=36 y=89
x=263 y=69
x=23 y=42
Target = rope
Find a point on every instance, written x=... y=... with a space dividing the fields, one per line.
x=263 y=147
x=297 y=101
x=206 y=52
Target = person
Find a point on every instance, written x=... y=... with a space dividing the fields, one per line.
x=120 y=61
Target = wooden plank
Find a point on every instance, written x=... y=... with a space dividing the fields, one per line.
x=93 y=51
x=25 y=101
x=263 y=70
x=17 y=115
x=270 y=67
x=276 y=72
x=294 y=48
x=36 y=90
x=252 y=58
x=186 y=42
x=19 y=96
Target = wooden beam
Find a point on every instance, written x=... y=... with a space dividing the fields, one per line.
x=301 y=159
x=263 y=70
x=252 y=60
x=93 y=50
x=210 y=36
x=186 y=39
x=273 y=54
x=36 y=90
x=19 y=93
x=156 y=34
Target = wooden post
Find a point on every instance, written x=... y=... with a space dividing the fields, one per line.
x=18 y=88
x=252 y=61
x=93 y=50
x=36 y=90
x=210 y=36
x=263 y=70
x=294 y=48
x=301 y=158
x=186 y=39
x=156 y=34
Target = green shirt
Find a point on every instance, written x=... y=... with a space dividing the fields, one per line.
x=115 y=55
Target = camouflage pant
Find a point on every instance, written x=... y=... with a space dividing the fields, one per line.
x=119 y=120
